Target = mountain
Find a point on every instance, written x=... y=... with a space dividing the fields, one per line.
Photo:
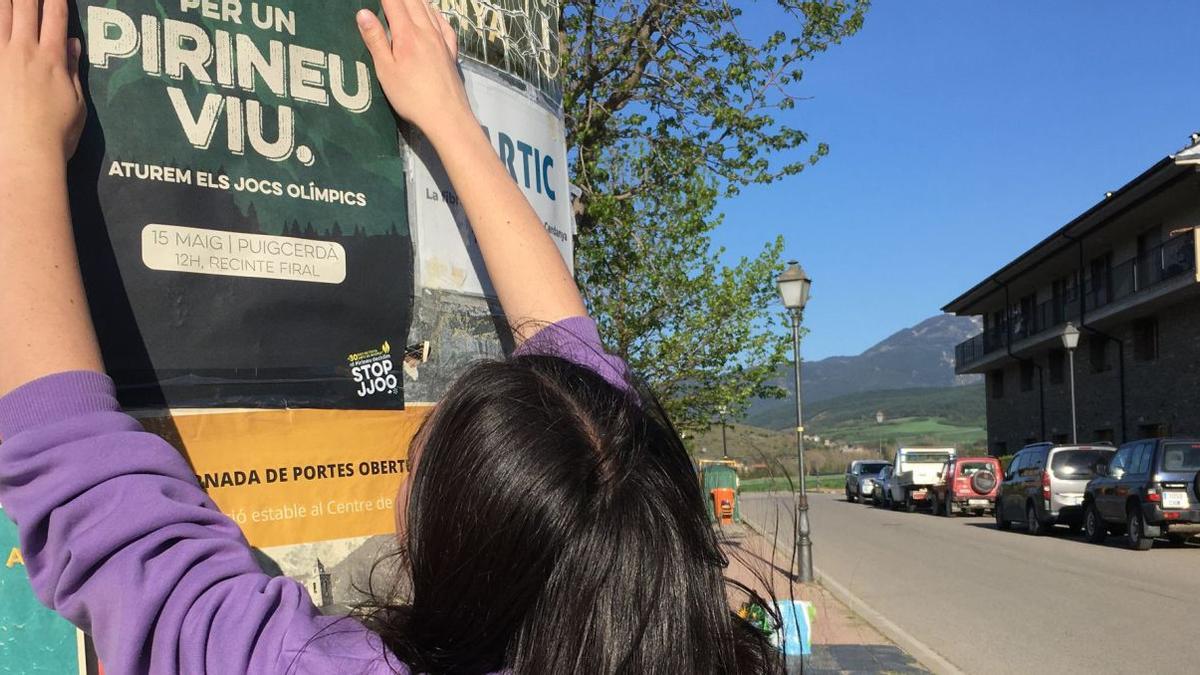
x=916 y=357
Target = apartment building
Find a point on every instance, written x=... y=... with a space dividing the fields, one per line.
x=1124 y=274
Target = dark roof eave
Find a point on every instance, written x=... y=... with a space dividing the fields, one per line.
x=1064 y=234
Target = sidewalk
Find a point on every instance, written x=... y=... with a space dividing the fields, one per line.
x=842 y=641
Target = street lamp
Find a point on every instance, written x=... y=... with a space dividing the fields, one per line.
x=793 y=286
x=724 y=448
x=879 y=421
x=1070 y=340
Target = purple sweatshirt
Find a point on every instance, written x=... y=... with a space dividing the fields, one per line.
x=120 y=539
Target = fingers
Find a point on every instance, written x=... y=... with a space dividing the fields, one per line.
x=427 y=9
x=54 y=25
x=24 y=20
x=399 y=20
x=448 y=34
x=6 y=12
x=373 y=35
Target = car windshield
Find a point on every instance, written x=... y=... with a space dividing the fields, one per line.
x=1181 y=457
x=925 y=457
x=871 y=468
x=1078 y=464
x=972 y=468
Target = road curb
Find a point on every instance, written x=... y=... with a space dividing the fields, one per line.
x=920 y=651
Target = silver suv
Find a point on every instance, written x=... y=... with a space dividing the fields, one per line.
x=860 y=475
x=1044 y=485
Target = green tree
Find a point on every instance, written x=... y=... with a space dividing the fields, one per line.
x=669 y=107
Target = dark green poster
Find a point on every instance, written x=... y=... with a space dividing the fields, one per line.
x=240 y=207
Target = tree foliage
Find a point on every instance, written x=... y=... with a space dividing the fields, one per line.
x=670 y=106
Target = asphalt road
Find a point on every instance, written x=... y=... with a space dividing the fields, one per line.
x=1005 y=602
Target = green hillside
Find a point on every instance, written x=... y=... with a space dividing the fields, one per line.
x=957 y=406
x=923 y=416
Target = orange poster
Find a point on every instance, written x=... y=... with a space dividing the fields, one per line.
x=298 y=476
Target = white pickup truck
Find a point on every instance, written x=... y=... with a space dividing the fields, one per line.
x=916 y=470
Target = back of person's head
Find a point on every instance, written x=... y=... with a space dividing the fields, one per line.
x=555 y=525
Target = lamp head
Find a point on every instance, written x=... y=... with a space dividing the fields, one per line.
x=1070 y=337
x=793 y=286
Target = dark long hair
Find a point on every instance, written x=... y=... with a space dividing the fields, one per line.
x=555 y=525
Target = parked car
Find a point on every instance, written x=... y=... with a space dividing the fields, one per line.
x=882 y=487
x=856 y=472
x=1045 y=483
x=916 y=470
x=967 y=484
x=1151 y=488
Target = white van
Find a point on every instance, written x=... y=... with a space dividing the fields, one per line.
x=916 y=470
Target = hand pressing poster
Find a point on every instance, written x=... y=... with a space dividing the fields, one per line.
x=239 y=201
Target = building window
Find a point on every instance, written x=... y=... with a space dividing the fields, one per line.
x=1063 y=294
x=1026 y=376
x=1100 y=281
x=1098 y=353
x=996 y=383
x=1145 y=339
x=1058 y=366
x=1026 y=325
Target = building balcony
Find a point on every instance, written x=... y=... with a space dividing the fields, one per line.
x=1163 y=270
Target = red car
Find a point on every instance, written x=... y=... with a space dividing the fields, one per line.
x=968 y=484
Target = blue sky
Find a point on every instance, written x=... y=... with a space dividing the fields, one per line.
x=962 y=133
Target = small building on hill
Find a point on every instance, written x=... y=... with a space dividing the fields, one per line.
x=1124 y=273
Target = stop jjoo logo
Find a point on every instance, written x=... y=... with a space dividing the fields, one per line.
x=375 y=378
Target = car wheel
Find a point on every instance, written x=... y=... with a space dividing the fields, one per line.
x=1001 y=523
x=849 y=497
x=948 y=508
x=910 y=506
x=1033 y=524
x=1094 y=528
x=935 y=504
x=1135 y=531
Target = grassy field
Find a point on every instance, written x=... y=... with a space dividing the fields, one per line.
x=907 y=430
x=780 y=484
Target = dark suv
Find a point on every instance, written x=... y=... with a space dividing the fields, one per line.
x=1044 y=485
x=1150 y=490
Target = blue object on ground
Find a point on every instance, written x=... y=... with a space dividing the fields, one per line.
x=794 y=636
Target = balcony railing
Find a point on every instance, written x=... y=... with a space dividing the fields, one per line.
x=1170 y=259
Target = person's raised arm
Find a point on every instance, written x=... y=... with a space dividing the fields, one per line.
x=418 y=71
x=44 y=322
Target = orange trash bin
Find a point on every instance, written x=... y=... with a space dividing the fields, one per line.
x=723 y=504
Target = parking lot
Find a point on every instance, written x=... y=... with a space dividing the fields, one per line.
x=1004 y=602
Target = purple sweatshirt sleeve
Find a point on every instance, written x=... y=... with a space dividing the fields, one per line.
x=120 y=539
x=577 y=339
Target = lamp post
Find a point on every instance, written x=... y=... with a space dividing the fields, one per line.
x=724 y=448
x=793 y=285
x=879 y=421
x=1070 y=340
